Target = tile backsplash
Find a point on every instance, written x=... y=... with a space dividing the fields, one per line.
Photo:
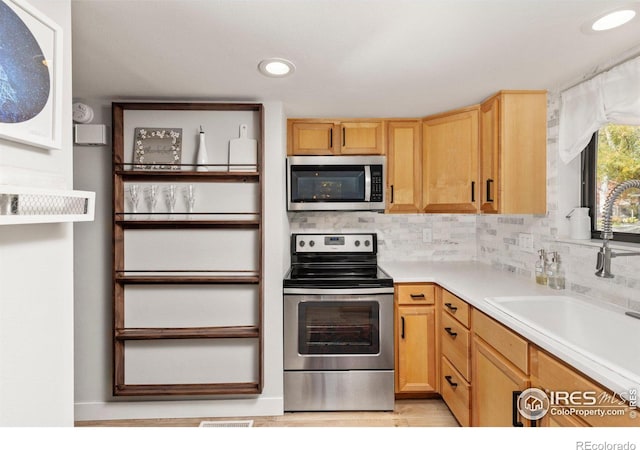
x=401 y=237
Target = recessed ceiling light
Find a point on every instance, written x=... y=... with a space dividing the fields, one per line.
x=613 y=20
x=276 y=67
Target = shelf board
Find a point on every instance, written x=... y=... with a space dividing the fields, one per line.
x=187 y=175
x=239 y=332
x=180 y=223
x=187 y=389
x=187 y=279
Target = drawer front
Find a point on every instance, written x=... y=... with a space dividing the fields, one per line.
x=505 y=341
x=556 y=376
x=455 y=392
x=415 y=294
x=455 y=306
x=456 y=342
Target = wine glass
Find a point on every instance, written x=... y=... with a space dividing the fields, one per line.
x=170 y=194
x=134 y=197
x=152 y=198
x=190 y=197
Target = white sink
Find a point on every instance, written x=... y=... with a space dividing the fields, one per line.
x=606 y=336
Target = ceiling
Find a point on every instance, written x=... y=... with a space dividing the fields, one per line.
x=354 y=58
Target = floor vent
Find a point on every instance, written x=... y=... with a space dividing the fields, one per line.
x=227 y=423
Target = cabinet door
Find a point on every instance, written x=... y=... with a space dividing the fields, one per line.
x=404 y=167
x=494 y=380
x=489 y=155
x=312 y=138
x=450 y=162
x=416 y=355
x=362 y=138
x=513 y=153
x=523 y=152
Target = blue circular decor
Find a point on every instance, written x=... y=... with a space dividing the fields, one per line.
x=24 y=76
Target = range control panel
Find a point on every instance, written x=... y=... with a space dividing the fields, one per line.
x=335 y=243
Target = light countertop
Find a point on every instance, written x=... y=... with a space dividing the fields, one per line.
x=474 y=282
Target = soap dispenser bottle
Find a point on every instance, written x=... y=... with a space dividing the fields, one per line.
x=555 y=274
x=541 y=268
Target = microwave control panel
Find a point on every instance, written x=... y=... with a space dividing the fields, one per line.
x=377 y=183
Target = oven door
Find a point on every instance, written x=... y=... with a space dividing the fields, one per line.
x=338 y=332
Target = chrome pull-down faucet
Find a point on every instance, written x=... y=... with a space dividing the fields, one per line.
x=603 y=266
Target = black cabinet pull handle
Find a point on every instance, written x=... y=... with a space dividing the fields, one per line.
x=449 y=332
x=402 y=331
x=514 y=409
x=473 y=191
x=392 y=193
x=344 y=138
x=451 y=383
x=489 y=181
x=451 y=307
x=416 y=296
x=331 y=138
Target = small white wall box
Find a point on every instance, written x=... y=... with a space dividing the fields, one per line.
x=90 y=134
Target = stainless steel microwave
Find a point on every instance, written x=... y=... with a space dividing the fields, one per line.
x=336 y=183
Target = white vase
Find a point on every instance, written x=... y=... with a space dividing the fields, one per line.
x=201 y=157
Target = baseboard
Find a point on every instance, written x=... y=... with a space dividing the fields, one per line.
x=253 y=407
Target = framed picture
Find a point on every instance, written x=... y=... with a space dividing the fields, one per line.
x=157 y=148
x=30 y=76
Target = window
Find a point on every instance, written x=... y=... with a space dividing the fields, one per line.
x=611 y=157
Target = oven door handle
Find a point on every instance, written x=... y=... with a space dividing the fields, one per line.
x=338 y=291
x=367 y=183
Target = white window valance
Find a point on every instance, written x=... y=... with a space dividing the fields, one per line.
x=610 y=97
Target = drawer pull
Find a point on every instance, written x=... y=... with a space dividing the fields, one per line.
x=449 y=332
x=451 y=383
x=451 y=307
x=417 y=296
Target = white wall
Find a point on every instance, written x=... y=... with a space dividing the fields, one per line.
x=93 y=292
x=36 y=283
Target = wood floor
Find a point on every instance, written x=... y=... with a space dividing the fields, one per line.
x=407 y=413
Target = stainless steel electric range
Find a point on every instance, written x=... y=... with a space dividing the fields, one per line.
x=338 y=325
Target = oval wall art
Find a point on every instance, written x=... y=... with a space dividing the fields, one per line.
x=24 y=76
x=30 y=64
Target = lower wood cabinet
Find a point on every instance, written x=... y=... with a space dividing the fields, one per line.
x=552 y=375
x=499 y=368
x=494 y=381
x=416 y=369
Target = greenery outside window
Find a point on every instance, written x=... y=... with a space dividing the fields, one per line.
x=611 y=157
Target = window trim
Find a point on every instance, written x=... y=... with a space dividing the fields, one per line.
x=588 y=192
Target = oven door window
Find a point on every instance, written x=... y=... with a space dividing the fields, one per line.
x=324 y=184
x=338 y=328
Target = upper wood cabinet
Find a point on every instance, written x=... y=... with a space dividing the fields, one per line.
x=450 y=162
x=404 y=166
x=362 y=138
x=513 y=148
x=335 y=137
x=311 y=138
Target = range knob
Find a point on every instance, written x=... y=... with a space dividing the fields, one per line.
x=367 y=243
x=357 y=243
x=312 y=243
x=301 y=244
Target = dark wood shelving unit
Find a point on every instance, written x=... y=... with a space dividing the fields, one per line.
x=122 y=220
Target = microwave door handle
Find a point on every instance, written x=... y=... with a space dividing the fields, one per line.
x=367 y=183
